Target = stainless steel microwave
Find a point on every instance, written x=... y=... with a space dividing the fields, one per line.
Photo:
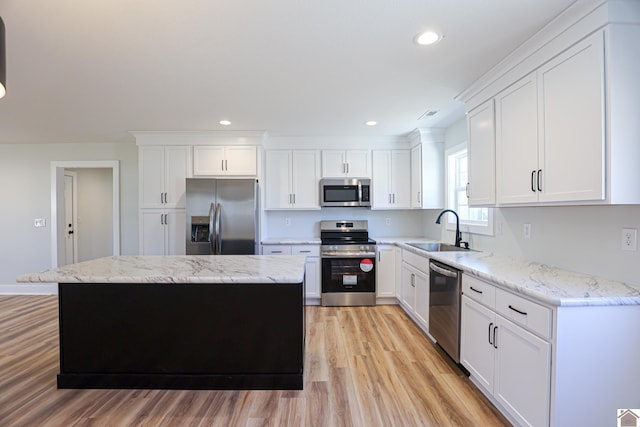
x=345 y=192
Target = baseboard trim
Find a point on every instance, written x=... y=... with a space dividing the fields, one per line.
x=29 y=289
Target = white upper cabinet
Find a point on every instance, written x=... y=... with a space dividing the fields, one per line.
x=391 y=179
x=162 y=176
x=349 y=163
x=224 y=160
x=571 y=111
x=292 y=179
x=481 y=189
x=427 y=179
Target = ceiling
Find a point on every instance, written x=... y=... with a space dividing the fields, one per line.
x=90 y=71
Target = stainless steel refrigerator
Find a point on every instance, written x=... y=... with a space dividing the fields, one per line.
x=222 y=216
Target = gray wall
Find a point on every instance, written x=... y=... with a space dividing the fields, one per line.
x=25 y=191
x=579 y=238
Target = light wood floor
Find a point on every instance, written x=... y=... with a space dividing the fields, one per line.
x=365 y=366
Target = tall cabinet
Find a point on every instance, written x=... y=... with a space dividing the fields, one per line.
x=162 y=182
x=391 y=179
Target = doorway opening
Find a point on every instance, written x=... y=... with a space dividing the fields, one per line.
x=81 y=237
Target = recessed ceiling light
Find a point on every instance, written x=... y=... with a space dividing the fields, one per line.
x=370 y=123
x=224 y=122
x=427 y=37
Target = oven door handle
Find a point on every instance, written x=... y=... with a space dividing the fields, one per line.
x=444 y=271
x=353 y=255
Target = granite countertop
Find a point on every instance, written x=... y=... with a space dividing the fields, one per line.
x=178 y=269
x=546 y=284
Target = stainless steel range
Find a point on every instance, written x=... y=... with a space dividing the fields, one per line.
x=348 y=264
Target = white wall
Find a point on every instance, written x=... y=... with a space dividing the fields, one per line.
x=579 y=238
x=25 y=191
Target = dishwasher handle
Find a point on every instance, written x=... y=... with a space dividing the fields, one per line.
x=443 y=271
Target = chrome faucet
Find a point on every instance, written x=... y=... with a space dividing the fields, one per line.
x=458 y=233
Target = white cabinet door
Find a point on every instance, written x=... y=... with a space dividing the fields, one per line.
x=358 y=163
x=152 y=232
x=241 y=160
x=523 y=373
x=176 y=239
x=305 y=178
x=340 y=163
x=208 y=160
x=401 y=178
x=481 y=151
x=517 y=142
x=312 y=277
x=427 y=176
x=408 y=287
x=278 y=179
x=416 y=177
x=386 y=271
x=572 y=114
x=381 y=181
x=177 y=161
x=476 y=337
x=421 y=282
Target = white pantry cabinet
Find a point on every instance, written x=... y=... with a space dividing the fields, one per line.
x=162 y=232
x=349 y=163
x=391 y=179
x=386 y=271
x=427 y=180
x=292 y=179
x=509 y=362
x=481 y=188
x=218 y=160
x=162 y=175
x=312 y=265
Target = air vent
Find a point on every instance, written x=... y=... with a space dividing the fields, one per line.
x=428 y=113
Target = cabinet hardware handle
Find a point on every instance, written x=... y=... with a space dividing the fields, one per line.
x=161 y=194
x=161 y=219
x=419 y=197
x=166 y=218
x=394 y=198
x=495 y=337
x=165 y=197
x=524 y=313
x=539 y=179
x=389 y=198
x=466 y=189
x=379 y=257
x=290 y=202
x=226 y=165
x=490 y=327
x=222 y=164
x=305 y=252
x=294 y=198
x=347 y=167
x=276 y=252
x=533 y=174
x=413 y=280
x=475 y=290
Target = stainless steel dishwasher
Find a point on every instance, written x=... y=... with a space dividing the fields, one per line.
x=444 y=307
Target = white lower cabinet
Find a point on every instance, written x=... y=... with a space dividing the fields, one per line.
x=414 y=296
x=386 y=271
x=162 y=232
x=312 y=265
x=510 y=363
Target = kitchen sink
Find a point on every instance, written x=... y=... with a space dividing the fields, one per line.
x=437 y=247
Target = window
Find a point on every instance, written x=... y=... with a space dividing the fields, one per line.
x=472 y=220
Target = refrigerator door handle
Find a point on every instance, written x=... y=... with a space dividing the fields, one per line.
x=212 y=235
x=218 y=231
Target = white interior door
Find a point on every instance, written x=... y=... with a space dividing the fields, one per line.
x=70 y=215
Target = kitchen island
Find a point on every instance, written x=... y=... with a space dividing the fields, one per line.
x=181 y=322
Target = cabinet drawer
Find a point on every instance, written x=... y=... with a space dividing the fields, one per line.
x=524 y=312
x=419 y=262
x=308 y=250
x=478 y=290
x=276 y=250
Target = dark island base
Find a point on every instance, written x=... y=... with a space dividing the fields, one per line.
x=181 y=336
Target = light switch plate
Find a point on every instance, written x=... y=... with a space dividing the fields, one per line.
x=527 y=231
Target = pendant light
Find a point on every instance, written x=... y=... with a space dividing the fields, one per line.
x=3 y=67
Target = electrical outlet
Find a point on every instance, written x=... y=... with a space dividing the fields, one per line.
x=499 y=228
x=527 y=231
x=39 y=222
x=387 y=221
x=629 y=239
x=287 y=221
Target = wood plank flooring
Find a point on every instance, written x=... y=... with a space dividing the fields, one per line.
x=364 y=366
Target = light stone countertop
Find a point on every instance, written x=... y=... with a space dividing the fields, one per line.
x=178 y=269
x=547 y=284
